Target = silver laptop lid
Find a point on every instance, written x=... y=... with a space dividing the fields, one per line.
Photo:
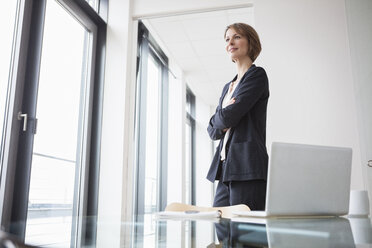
x=308 y=180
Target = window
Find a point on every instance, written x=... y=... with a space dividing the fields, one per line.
x=57 y=150
x=151 y=132
x=7 y=24
x=50 y=177
x=189 y=148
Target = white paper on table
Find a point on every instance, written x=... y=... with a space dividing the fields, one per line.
x=189 y=214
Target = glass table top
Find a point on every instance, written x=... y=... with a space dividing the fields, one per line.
x=152 y=231
x=273 y=232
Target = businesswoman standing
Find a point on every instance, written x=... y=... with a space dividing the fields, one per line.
x=240 y=162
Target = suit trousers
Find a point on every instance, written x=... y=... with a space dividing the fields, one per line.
x=251 y=193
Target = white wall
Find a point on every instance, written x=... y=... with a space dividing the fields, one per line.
x=144 y=8
x=306 y=56
x=176 y=134
x=359 y=21
x=176 y=144
x=203 y=154
x=116 y=176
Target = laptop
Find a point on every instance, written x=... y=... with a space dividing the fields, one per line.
x=306 y=180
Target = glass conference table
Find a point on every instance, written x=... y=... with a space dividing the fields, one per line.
x=273 y=232
x=152 y=231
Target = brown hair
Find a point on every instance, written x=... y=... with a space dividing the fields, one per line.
x=254 y=45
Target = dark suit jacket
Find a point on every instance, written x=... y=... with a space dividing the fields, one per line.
x=246 y=155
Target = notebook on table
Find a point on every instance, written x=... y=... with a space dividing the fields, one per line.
x=190 y=214
x=306 y=180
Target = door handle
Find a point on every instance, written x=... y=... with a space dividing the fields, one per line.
x=369 y=163
x=24 y=117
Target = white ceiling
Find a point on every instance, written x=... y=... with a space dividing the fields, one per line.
x=195 y=42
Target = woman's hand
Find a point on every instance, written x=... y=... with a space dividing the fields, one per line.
x=232 y=101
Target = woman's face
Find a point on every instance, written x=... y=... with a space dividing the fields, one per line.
x=236 y=44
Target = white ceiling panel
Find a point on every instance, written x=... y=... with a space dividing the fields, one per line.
x=196 y=43
x=217 y=62
x=223 y=76
x=190 y=64
x=181 y=50
x=170 y=32
x=206 y=28
x=197 y=76
x=209 y=47
x=241 y=18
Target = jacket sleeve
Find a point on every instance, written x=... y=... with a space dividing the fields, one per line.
x=216 y=133
x=249 y=93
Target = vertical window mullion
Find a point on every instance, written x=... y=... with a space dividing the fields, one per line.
x=190 y=118
x=142 y=88
x=164 y=143
x=151 y=135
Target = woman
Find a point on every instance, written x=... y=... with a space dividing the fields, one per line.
x=241 y=160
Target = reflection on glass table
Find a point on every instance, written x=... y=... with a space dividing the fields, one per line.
x=238 y=232
x=324 y=232
x=9 y=241
x=274 y=233
x=362 y=231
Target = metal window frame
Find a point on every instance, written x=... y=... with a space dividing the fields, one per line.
x=147 y=46
x=190 y=117
x=24 y=81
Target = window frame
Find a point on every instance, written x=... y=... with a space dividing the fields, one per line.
x=190 y=120
x=147 y=46
x=24 y=84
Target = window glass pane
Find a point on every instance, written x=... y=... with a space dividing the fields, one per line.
x=7 y=22
x=56 y=151
x=188 y=104
x=152 y=148
x=188 y=159
x=93 y=3
x=189 y=156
